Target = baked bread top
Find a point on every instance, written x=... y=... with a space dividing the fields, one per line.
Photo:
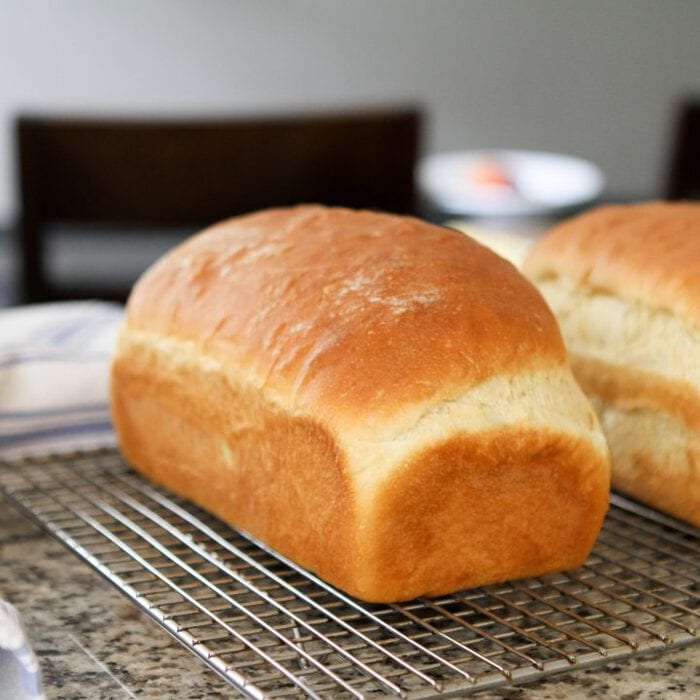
x=642 y=252
x=355 y=309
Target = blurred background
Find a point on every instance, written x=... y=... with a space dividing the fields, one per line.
x=601 y=81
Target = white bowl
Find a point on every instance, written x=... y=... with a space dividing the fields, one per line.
x=534 y=183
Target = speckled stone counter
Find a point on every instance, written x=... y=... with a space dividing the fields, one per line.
x=92 y=643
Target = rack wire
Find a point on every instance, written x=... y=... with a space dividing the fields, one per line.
x=272 y=629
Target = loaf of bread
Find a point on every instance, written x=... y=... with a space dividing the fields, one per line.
x=384 y=401
x=624 y=282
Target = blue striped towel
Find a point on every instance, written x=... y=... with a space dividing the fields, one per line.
x=54 y=375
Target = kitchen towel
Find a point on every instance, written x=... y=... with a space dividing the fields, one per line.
x=54 y=375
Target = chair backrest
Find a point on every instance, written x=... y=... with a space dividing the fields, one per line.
x=184 y=174
x=683 y=180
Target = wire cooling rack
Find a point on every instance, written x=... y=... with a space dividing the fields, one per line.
x=272 y=629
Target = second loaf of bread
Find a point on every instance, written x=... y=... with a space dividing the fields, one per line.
x=386 y=402
x=624 y=282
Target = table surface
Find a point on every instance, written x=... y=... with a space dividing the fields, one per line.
x=93 y=643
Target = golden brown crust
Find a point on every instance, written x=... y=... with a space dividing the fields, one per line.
x=472 y=510
x=648 y=252
x=487 y=507
x=355 y=310
x=279 y=477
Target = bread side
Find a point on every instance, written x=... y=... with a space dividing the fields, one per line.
x=508 y=479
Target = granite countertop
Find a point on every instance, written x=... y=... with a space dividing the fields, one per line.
x=93 y=643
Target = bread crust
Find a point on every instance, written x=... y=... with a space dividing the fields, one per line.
x=356 y=312
x=468 y=510
x=648 y=252
x=280 y=477
x=383 y=401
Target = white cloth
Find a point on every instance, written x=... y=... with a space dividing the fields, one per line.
x=54 y=374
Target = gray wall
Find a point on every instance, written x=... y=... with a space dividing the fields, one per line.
x=596 y=78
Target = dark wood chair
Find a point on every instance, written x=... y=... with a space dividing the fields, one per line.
x=135 y=176
x=684 y=168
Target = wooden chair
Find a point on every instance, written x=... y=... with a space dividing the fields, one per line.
x=684 y=169
x=137 y=175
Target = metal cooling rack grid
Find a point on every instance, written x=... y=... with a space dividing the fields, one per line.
x=271 y=629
